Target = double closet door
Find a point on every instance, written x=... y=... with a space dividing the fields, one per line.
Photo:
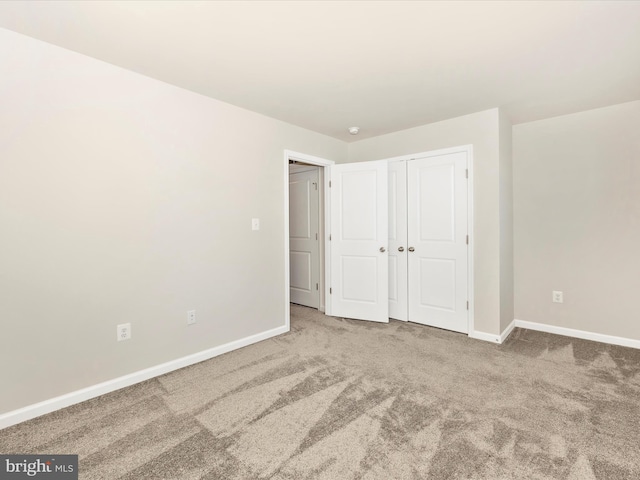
x=428 y=241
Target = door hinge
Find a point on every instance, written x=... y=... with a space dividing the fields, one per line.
x=330 y=290
x=315 y=185
x=466 y=173
x=316 y=236
x=467 y=239
x=316 y=286
x=329 y=183
x=467 y=304
x=329 y=237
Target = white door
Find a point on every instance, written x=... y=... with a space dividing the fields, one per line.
x=437 y=227
x=303 y=238
x=359 y=239
x=398 y=308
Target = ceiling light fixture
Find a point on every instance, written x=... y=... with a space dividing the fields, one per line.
x=354 y=130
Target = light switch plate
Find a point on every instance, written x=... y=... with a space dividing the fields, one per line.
x=255 y=224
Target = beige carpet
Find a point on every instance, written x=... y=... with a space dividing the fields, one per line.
x=343 y=399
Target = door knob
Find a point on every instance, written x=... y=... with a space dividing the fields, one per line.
x=401 y=249
x=382 y=249
x=411 y=249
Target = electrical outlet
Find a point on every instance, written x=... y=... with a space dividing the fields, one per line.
x=191 y=317
x=557 y=297
x=124 y=331
x=255 y=224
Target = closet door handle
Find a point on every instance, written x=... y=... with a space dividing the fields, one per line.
x=401 y=249
x=382 y=249
x=411 y=249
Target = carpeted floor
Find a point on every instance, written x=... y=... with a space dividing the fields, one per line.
x=343 y=399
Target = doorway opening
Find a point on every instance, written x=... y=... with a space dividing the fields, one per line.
x=306 y=183
x=305 y=235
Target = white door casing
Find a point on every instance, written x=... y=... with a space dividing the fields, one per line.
x=437 y=234
x=359 y=241
x=304 y=237
x=398 y=308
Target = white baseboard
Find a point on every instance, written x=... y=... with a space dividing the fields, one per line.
x=47 y=406
x=570 y=332
x=507 y=331
x=487 y=337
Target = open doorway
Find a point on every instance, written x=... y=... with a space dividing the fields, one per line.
x=305 y=259
x=305 y=235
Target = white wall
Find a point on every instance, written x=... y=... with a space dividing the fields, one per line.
x=124 y=199
x=482 y=131
x=506 y=224
x=577 y=220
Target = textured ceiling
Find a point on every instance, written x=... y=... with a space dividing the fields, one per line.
x=382 y=66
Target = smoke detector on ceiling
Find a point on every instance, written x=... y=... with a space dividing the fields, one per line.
x=354 y=130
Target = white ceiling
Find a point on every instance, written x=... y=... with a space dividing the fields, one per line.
x=382 y=66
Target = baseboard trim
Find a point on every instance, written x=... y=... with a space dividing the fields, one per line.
x=37 y=409
x=570 y=332
x=507 y=331
x=487 y=337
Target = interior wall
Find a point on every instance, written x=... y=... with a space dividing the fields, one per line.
x=506 y=224
x=125 y=199
x=482 y=131
x=577 y=220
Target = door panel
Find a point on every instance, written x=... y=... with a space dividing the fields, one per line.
x=301 y=272
x=359 y=206
x=359 y=238
x=303 y=240
x=359 y=278
x=437 y=231
x=393 y=281
x=437 y=212
x=398 y=307
x=438 y=286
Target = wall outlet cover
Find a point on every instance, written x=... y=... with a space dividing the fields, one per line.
x=123 y=331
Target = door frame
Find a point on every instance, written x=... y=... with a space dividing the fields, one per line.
x=468 y=149
x=290 y=155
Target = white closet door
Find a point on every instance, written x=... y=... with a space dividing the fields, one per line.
x=303 y=238
x=359 y=239
x=398 y=307
x=437 y=227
